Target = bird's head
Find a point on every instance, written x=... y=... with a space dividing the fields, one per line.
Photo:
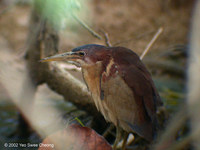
x=84 y=55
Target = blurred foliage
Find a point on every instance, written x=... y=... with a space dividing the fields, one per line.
x=171 y=85
x=57 y=11
x=9 y=131
x=8 y=118
x=172 y=99
x=171 y=91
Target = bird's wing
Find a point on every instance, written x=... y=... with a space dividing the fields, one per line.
x=142 y=88
x=136 y=76
x=126 y=107
x=134 y=97
x=145 y=96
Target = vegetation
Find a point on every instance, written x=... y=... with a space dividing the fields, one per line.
x=31 y=30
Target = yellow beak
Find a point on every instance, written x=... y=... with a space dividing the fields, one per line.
x=68 y=56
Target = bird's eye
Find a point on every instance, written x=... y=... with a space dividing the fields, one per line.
x=81 y=53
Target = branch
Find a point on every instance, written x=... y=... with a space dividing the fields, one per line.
x=151 y=42
x=86 y=27
x=45 y=42
x=107 y=40
x=73 y=90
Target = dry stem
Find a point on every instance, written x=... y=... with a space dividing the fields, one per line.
x=86 y=27
x=151 y=42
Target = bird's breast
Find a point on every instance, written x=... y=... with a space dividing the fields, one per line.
x=92 y=77
x=118 y=103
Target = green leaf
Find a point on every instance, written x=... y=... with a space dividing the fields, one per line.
x=79 y=121
x=57 y=11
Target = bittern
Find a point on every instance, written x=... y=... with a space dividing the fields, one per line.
x=120 y=85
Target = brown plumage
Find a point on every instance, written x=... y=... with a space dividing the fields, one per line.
x=120 y=84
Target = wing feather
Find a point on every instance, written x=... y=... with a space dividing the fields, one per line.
x=136 y=76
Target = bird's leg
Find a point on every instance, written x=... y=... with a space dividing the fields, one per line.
x=125 y=140
x=118 y=137
x=108 y=130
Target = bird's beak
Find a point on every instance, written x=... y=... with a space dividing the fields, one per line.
x=68 y=56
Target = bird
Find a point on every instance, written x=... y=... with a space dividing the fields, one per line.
x=120 y=85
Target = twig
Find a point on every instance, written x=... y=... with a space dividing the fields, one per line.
x=107 y=40
x=108 y=130
x=86 y=27
x=151 y=42
x=133 y=38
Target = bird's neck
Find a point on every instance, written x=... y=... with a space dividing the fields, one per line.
x=92 y=77
x=92 y=74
